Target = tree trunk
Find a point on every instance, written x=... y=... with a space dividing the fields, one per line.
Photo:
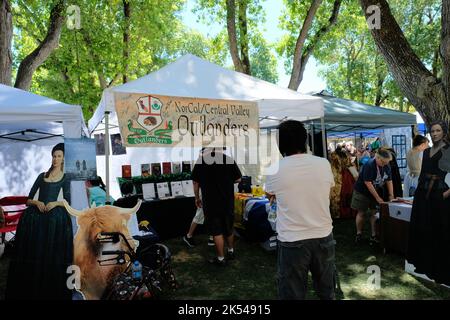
x=428 y=94
x=31 y=62
x=126 y=39
x=307 y=23
x=305 y=57
x=435 y=65
x=231 y=29
x=243 y=36
x=380 y=81
x=6 y=32
x=363 y=82
x=317 y=37
x=349 y=77
x=445 y=51
x=300 y=60
x=66 y=78
x=95 y=58
x=379 y=91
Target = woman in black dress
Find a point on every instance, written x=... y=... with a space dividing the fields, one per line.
x=429 y=235
x=44 y=239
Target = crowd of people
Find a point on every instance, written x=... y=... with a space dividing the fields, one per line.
x=310 y=191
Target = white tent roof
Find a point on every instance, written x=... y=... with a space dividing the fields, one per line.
x=30 y=125
x=191 y=76
x=30 y=113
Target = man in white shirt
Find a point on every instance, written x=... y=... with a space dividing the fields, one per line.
x=304 y=225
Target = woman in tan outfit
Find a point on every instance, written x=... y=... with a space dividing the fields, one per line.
x=414 y=162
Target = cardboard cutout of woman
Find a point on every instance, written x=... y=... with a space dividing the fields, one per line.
x=429 y=235
x=44 y=239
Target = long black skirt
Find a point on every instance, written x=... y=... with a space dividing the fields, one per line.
x=429 y=235
x=44 y=251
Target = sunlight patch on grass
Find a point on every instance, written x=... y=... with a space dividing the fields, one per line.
x=360 y=291
x=355 y=268
x=185 y=256
x=408 y=279
x=371 y=259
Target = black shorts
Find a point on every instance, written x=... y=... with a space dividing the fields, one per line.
x=219 y=223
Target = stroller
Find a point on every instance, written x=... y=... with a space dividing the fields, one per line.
x=156 y=269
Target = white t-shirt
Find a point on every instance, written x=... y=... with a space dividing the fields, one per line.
x=302 y=188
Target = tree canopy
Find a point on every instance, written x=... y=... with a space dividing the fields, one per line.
x=120 y=40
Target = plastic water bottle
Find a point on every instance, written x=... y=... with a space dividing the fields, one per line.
x=136 y=271
x=272 y=215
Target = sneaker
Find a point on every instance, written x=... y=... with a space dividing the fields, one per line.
x=373 y=240
x=230 y=255
x=189 y=241
x=211 y=242
x=358 y=238
x=217 y=262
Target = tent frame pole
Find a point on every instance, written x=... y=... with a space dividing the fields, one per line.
x=107 y=156
x=311 y=132
x=324 y=137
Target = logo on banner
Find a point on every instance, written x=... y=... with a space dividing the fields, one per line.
x=155 y=129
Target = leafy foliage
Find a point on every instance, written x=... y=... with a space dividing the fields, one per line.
x=263 y=61
x=91 y=59
x=357 y=71
x=350 y=62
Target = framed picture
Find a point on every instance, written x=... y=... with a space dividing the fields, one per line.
x=99 y=144
x=79 y=159
x=167 y=167
x=116 y=145
x=156 y=169
x=145 y=170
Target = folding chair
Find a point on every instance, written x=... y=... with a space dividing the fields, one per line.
x=13 y=208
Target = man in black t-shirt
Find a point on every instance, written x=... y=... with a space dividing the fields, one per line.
x=216 y=173
x=367 y=193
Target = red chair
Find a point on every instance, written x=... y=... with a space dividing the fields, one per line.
x=13 y=208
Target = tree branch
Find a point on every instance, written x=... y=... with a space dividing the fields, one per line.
x=307 y=23
x=243 y=36
x=445 y=49
x=114 y=79
x=65 y=75
x=95 y=59
x=416 y=82
x=31 y=62
x=379 y=92
x=315 y=40
x=359 y=50
x=435 y=65
x=231 y=29
x=383 y=99
x=126 y=39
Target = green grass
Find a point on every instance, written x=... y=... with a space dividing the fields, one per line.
x=252 y=274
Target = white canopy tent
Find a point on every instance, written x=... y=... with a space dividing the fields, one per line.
x=191 y=76
x=30 y=125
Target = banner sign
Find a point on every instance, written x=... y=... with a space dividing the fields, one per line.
x=163 y=121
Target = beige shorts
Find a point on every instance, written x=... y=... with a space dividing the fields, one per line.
x=363 y=203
